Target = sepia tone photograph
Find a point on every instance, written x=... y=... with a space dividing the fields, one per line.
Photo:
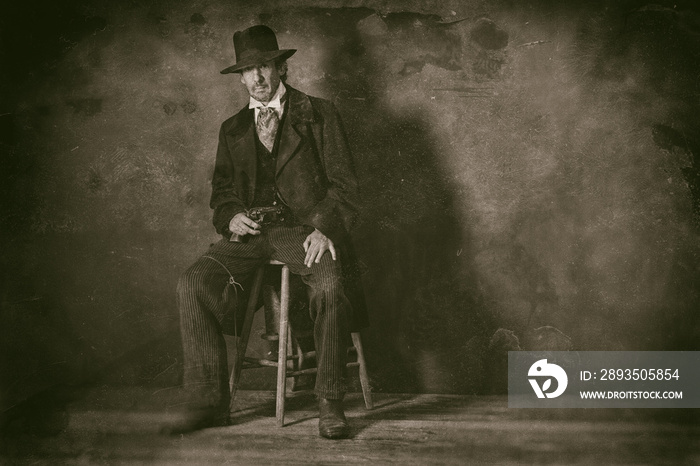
x=321 y=232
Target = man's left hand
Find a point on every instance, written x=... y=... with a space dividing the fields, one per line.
x=316 y=245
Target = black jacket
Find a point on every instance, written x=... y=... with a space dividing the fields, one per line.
x=315 y=177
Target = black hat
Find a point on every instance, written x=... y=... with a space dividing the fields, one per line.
x=255 y=46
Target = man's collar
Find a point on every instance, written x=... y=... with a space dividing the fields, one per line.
x=275 y=102
x=299 y=106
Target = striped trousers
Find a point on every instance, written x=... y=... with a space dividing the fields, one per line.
x=204 y=294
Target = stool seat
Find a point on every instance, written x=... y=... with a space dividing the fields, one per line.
x=285 y=351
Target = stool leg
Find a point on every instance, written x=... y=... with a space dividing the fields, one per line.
x=364 y=379
x=282 y=352
x=242 y=345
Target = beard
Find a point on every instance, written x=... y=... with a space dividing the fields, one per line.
x=262 y=93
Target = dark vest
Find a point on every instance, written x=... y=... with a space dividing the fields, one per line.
x=265 y=186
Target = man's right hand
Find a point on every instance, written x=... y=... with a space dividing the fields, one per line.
x=241 y=225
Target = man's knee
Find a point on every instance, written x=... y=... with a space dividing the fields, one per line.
x=327 y=275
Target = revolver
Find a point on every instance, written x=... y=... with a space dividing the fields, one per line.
x=274 y=214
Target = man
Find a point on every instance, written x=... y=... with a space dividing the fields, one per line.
x=288 y=150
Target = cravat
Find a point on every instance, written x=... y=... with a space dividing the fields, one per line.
x=267 y=124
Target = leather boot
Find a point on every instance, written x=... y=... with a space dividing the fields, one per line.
x=331 y=419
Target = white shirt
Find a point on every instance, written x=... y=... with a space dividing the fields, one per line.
x=274 y=103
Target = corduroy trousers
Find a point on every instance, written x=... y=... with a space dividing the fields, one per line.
x=205 y=295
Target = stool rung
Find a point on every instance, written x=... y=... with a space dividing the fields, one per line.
x=291 y=357
x=252 y=363
x=311 y=370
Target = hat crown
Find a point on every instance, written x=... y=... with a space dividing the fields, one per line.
x=255 y=46
x=253 y=41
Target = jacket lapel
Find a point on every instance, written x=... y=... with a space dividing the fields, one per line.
x=293 y=129
x=242 y=147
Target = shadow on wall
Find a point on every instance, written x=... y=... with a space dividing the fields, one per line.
x=427 y=325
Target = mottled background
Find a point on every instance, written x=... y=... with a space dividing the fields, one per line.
x=529 y=172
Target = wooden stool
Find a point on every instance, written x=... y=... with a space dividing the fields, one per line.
x=285 y=352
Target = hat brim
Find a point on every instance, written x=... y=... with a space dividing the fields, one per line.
x=259 y=59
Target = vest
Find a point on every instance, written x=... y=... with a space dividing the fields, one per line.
x=265 y=186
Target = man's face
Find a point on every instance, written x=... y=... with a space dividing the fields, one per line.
x=261 y=81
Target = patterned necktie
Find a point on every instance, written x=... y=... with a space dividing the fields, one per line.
x=266 y=126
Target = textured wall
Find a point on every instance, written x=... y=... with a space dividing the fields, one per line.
x=529 y=168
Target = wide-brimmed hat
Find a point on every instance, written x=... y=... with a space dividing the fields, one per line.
x=255 y=46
